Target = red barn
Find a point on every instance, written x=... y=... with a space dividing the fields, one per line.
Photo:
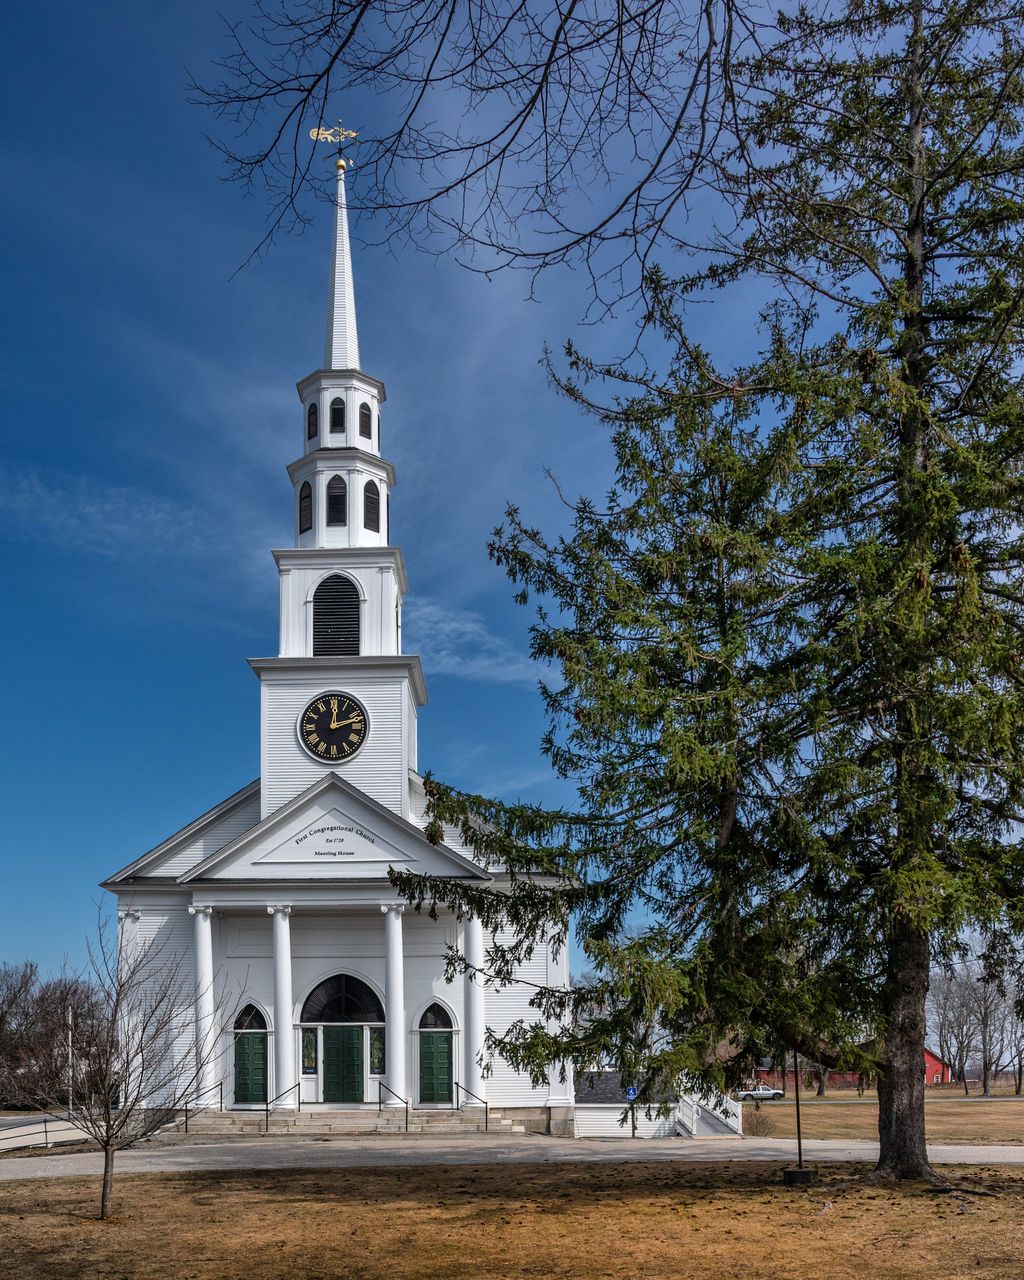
x=936 y=1071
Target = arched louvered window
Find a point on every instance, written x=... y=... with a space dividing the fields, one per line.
x=337 y=501
x=335 y=617
x=312 y=421
x=337 y=416
x=436 y=1018
x=371 y=506
x=342 y=998
x=365 y=421
x=305 y=508
x=250 y=1019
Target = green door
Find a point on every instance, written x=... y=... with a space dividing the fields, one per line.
x=343 y=1064
x=251 y=1066
x=435 y=1066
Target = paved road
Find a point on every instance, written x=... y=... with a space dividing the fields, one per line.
x=378 y=1152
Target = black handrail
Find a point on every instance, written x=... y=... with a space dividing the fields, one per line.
x=295 y=1088
x=381 y=1090
x=487 y=1109
x=219 y=1086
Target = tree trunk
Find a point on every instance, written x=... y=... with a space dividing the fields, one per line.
x=821 y=1082
x=108 y=1181
x=903 y=1152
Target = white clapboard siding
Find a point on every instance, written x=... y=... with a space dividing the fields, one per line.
x=601 y=1120
x=379 y=768
x=505 y=1006
x=230 y=827
x=169 y=931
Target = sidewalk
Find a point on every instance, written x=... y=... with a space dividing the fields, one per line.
x=384 y=1152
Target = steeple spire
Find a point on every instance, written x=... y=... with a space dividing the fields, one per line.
x=341 y=341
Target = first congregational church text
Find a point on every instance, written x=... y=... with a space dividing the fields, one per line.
x=311 y=979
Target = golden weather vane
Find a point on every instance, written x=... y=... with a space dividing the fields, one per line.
x=337 y=134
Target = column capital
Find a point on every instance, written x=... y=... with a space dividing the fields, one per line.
x=283 y=909
x=387 y=907
x=129 y=913
x=200 y=909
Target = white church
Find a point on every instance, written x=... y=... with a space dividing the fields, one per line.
x=319 y=987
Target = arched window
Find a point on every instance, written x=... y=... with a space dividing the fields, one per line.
x=250 y=1019
x=305 y=508
x=371 y=506
x=312 y=421
x=436 y=1018
x=337 y=501
x=365 y=421
x=342 y=999
x=337 y=416
x=335 y=617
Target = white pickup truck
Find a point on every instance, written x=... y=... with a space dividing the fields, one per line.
x=759 y=1093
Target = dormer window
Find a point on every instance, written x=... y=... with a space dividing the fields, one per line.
x=337 y=501
x=337 y=416
x=371 y=506
x=312 y=422
x=305 y=507
x=365 y=421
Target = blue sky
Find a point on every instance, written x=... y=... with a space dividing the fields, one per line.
x=149 y=411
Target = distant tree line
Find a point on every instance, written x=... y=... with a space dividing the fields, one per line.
x=976 y=1025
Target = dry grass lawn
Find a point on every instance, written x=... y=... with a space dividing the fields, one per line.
x=947 y=1120
x=565 y=1220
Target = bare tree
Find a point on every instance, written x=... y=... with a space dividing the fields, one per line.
x=952 y=1020
x=133 y=1054
x=495 y=117
x=17 y=984
x=1015 y=1042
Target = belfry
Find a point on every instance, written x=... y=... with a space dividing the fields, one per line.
x=314 y=982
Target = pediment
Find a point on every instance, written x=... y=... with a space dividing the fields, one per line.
x=332 y=831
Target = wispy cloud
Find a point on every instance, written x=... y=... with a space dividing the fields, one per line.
x=458 y=642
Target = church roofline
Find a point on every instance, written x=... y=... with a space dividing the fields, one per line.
x=328 y=781
x=305 y=385
x=347 y=452
x=355 y=662
x=306 y=557
x=187 y=833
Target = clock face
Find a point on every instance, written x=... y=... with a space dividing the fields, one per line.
x=333 y=727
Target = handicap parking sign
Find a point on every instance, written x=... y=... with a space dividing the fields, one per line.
x=631 y=1093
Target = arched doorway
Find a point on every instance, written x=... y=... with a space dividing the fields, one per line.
x=342 y=1036
x=436 y=1055
x=250 y=1056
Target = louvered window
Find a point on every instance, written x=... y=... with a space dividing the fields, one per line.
x=371 y=506
x=365 y=421
x=305 y=508
x=312 y=422
x=337 y=416
x=335 y=617
x=337 y=501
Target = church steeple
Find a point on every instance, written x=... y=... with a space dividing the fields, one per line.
x=341 y=340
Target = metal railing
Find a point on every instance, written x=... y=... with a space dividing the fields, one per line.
x=217 y=1088
x=461 y=1088
x=16 y=1136
x=381 y=1090
x=295 y=1088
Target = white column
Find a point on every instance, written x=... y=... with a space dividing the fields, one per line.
x=284 y=1032
x=473 y=1016
x=394 y=1003
x=204 y=1033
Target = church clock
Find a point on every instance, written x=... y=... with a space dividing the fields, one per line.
x=333 y=727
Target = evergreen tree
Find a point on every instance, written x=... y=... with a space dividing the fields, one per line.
x=788 y=647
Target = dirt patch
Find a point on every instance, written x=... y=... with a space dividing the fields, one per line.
x=946 y=1120
x=485 y=1222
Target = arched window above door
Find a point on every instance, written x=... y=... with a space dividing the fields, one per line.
x=250 y=1019
x=342 y=998
x=436 y=1018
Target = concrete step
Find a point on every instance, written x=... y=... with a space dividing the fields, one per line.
x=336 y=1123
